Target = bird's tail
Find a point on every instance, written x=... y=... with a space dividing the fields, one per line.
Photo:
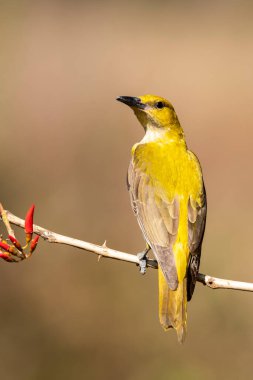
x=173 y=306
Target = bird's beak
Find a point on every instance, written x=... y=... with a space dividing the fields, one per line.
x=132 y=101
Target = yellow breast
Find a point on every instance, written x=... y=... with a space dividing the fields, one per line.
x=174 y=171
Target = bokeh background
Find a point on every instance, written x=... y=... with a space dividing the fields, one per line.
x=65 y=145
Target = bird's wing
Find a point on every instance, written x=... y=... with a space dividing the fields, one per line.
x=196 y=229
x=158 y=218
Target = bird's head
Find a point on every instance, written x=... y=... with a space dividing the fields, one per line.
x=152 y=111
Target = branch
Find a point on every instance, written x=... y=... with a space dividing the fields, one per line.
x=104 y=251
x=6 y=221
x=221 y=283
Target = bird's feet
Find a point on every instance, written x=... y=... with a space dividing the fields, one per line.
x=142 y=256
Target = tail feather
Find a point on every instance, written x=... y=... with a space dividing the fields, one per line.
x=173 y=307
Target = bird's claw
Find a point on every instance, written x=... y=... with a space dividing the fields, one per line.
x=142 y=262
x=142 y=256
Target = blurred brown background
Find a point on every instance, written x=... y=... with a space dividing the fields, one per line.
x=65 y=145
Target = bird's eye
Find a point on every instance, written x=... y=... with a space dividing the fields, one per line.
x=159 y=105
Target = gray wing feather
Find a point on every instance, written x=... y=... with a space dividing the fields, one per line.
x=196 y=229
x=158 y=219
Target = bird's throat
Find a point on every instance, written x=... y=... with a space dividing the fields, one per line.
x=163 y=135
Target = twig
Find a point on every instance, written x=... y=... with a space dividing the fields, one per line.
x=104 y=251
x=6 y=221
x=220 y=283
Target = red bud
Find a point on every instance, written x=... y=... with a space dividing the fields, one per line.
x=16 y=243
x=29 y=224
x=5 y=257
x=29 y=220
x=5 y=246
x=34 y=243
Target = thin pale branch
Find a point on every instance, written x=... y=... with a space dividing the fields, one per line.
x=220 y=283
x=6 y=221
x=104 y=251
x=101 y=251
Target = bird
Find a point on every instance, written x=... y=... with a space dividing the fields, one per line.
x=168 y=197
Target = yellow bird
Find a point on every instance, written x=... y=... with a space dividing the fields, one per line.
x=168 y=198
